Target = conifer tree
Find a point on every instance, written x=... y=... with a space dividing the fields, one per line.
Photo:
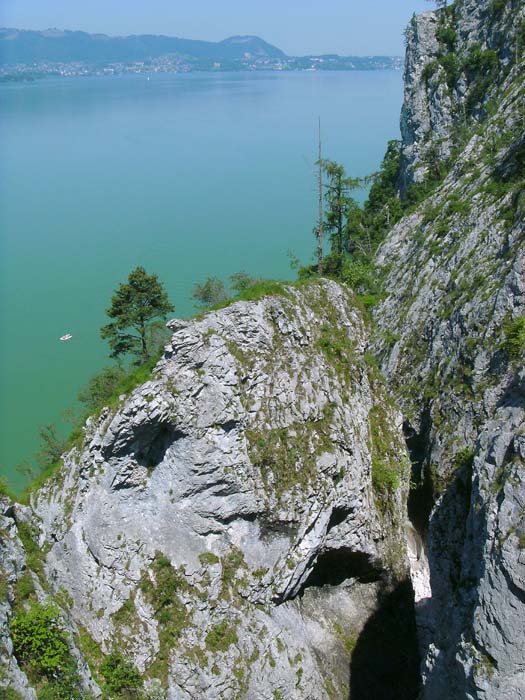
x=338 y=202
x=134 y=307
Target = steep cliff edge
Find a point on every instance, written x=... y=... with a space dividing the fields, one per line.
x=456 y=60
x=452 y=340
x=236 y=527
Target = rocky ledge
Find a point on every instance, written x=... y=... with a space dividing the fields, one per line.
x=236 y=523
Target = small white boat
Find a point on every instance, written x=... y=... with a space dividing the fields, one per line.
x=67 y=336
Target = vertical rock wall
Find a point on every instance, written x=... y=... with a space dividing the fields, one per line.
x=452 y=345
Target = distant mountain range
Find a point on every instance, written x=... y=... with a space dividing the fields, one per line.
x=54 y=51
x=23 y=46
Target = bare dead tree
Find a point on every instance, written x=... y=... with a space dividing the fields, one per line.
x=320 y=228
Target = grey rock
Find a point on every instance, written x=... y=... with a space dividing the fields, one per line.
x=434 y=108
x=454 y=281
x=245 y=462
x=12 y=567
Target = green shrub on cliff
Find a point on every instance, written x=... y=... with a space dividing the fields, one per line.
x=221 y=637
x=497 y=7
x=514 y=342
x=211 y=292
x=122 y=679
x=41 y=648
x=101 y=388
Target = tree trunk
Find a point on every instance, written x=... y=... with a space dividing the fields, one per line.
x=321 y=214
x=145 y=355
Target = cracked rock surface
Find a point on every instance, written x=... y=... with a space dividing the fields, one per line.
x=455 y=289
x=241 y=472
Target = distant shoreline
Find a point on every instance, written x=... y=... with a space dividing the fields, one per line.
x=18 y=79
x=26 y=55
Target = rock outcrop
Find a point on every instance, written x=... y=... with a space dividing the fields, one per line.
x=451 y=340
x=13 y=565
x=455 y=61
x=235 y=522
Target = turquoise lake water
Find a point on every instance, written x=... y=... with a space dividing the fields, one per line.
x=188 y=175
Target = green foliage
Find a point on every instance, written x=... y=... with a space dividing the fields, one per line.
x=167 y=583
x=51 y=447
x=4 y=593
x=479 y=61
x=452 y=67
x=208 y=558
x=24 y=588
x=136 y=378
x=339 y=209
x=496 y=188
x=126 y=613
x=38 y=479
x=356 y=231
x=456 y=205
x=5 y=490
x=497 y=7
x=348 y=638
x=336 y=346
x=10 y=694
x=232 y=563
x=514 y=342
x=359 y=274
x=105 y=388
x=260 y=289
x=464 y=459
x=446 y=35
x=29 y=535
x=384 y=478
x=383 y=207
x=287 y=457
x=41 y=648
x=210 y=292
x=429 y=70
x=417 y=192
x=253 y=292
x=134 y=307
x=481 y=67
x=163 y=594
x=241 y=281
x=38 y=639
x=101 y=388
x=121 y=678
x=221 y=637
x=385 y=457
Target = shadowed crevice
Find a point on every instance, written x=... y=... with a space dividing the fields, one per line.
x=385 y=660
x=421 y=496
x=147 y=444
x=335 y=566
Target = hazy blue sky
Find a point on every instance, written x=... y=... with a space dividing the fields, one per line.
x=296 y=26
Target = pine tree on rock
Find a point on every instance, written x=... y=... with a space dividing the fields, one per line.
x=338 y=203
x=134 y=307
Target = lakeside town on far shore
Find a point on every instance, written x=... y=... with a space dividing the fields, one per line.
x=177 y=64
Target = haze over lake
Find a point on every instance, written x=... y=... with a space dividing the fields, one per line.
x=188 y=175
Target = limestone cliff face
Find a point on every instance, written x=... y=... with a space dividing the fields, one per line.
x=229 y=526
x=451 y=338
x=455 y=62
x=13 y=563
